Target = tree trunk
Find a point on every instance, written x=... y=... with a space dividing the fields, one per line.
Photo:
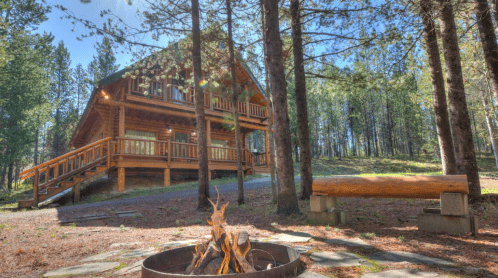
x=440 y=106
x=460 y=120
x=200 y=116
x=287 y=198
x=301 y=104
x=488 y=40
x=269 y=107
x=235 y=106
x=10 y=176
x=296 y=149
x=493 y=135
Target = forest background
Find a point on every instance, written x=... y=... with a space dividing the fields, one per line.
x=368 y=78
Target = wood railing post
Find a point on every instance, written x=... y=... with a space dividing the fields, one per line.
x=35 y=188
x=248 y=113
x=47 y=173
x=169 y=153
x=108 y=154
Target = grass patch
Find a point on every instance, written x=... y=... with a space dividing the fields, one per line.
x=367 y=235
x=376 y=266
x=120 y=266
x=489 y=190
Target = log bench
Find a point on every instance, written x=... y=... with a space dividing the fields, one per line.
x=453 y=216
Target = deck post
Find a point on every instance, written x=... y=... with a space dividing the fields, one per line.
x=167 y=177
x=35 y=188
x=121 y=179
x=209 y=175
x=169 y=151
x=108 y=154
x=76 y=192
x=210 y=94
x=121 y=130
x=267 y=149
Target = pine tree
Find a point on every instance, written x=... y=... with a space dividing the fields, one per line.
x=440 y=106
x=287 y=198
x=104 y=64
x=460 y=120
x=80 y=82
x=62 y=85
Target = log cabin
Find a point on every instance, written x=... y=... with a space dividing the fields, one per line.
x=126 y=127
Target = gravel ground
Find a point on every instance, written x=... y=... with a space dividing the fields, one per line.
x=254 y=184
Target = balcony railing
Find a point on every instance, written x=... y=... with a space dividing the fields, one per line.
x=186 y=96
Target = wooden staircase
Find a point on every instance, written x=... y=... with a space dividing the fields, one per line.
x=67 y=171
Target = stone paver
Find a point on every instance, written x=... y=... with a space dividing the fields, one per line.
x=178 y=243
x=337 y=259
x=103 y=256
x=401 y=256
x=124 y=244
x=137 y=266
x=133 y=214
x=139 y=253
x=293 y=237
x=302 y=249
x=352 y=242
x=311 y=275
x=401 y=273
x=85 y=269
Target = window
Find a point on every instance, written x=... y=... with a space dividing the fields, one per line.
x=180 y=149
x=219 y=143
x=155 y=89
x=177 y=94
x=139 y=147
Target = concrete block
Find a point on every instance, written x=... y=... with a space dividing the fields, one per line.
x=333 y=218
x=455 y=204
x=437 y=223
x=322 y=203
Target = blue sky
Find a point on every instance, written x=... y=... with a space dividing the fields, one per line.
x=83 y=51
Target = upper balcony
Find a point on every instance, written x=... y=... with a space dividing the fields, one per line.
x=166 y=92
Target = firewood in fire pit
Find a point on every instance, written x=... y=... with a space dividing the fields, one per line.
x=199 y=249
x=213 y=266
x=213 y=251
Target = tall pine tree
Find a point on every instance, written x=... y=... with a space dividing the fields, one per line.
x=104 y=64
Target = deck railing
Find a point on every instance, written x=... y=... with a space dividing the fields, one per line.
x=161 y=149
x=186 y=96
x=141 y=147
x=260 y=159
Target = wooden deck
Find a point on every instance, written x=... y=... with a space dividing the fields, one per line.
x=75 y=167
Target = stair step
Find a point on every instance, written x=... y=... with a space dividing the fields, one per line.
x=54 y=190
x=90 y=173
x=66 y=184
x=101 y=168
x=24 y=203
x=78 y=179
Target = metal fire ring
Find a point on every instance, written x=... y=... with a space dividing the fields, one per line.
x=165 y=264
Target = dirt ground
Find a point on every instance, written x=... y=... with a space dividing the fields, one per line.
x=33 y=243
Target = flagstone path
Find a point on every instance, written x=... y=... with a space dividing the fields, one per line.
x=326 y=259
